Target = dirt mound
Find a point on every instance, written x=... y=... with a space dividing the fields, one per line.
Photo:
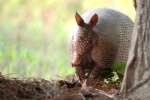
x=40 y=89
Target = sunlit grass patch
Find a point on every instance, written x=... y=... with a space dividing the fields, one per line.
x=115 y=74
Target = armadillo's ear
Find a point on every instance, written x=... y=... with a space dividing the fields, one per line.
x=79 y=20
x=93 y=20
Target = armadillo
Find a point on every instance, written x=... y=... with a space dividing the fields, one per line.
x=101 y=39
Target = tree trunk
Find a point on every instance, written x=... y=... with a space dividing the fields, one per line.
x=136 y=83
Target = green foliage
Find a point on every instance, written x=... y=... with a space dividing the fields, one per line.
x=115 y=74
x=119 y=68
x=112 y=77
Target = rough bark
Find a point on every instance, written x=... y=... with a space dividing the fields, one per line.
x=136 y=84
x=135 y=4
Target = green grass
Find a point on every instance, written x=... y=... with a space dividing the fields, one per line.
x=115 y=74
x=119 y=68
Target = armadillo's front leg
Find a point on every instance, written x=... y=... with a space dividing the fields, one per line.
x=94 y=75
x=80 y=73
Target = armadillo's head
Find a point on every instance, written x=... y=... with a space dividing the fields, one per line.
x=82 y=41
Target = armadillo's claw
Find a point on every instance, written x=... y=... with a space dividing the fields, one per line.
x=84 y=85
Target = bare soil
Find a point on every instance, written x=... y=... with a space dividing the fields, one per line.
x=40 y=89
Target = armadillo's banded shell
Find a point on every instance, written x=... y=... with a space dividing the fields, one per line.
x=117 y=27
x=126 y=28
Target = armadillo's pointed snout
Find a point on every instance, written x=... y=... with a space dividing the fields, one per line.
x=76 y=61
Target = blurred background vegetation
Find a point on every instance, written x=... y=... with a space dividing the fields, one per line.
x=34 y=34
